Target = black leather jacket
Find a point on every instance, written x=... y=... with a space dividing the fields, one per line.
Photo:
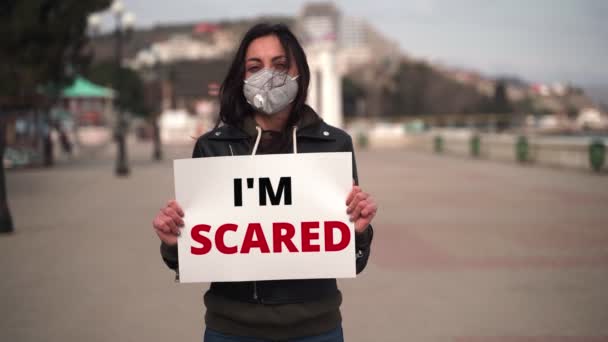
x=315 y=136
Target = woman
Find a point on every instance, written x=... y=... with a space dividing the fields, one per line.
x=263 y=111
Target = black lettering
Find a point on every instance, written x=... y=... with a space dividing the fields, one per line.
x=275 y=198
x=238 y=192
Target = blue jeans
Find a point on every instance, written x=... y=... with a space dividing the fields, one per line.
x=335 y=335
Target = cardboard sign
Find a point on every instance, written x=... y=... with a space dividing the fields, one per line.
x=265 y=217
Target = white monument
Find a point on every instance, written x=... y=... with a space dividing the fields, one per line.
x=325 y=89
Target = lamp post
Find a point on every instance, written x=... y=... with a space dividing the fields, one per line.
x=160 y=79
x=124 y=25
x=93 y=24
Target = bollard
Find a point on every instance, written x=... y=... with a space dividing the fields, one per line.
x=597 y=154
x=522 y=149
x=475 y=146
x=362 y=140
x=438 y=144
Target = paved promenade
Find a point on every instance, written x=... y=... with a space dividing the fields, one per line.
x=465 y=251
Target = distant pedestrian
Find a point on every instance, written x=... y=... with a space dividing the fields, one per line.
x=64 y=140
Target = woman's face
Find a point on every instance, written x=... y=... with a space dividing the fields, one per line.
x=267 y=52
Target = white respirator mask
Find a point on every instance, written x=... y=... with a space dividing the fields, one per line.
x=270 y=91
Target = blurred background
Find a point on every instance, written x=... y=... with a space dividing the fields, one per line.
x=480 y=127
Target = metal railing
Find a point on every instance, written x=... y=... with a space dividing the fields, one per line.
x=582 y=153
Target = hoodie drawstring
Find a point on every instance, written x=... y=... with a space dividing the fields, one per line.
x=259 y=136
x=257 y=140
x=294 y=140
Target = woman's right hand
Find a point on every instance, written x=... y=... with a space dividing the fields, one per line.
x=168 y=223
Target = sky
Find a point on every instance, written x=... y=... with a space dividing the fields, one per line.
x=537 y=40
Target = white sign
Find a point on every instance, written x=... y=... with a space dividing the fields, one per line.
x=265 y=217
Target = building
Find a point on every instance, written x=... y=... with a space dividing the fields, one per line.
x=184 y=47
x=361 y=44
x=335 y=46
x=318 y=22
x=357 y=42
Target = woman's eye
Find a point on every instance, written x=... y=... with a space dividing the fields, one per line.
x=253 y=69
x=280 y=66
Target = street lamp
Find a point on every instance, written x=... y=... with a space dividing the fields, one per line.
x=157 y=64
x=94 y=23
x=117 y=7
x=124 y=26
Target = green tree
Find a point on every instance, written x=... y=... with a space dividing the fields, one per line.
x=352 y=93
x=41 y=44
x=41 y=41
x=133 y=95
x=501 y=100
x=420 y=89
x=131 y=92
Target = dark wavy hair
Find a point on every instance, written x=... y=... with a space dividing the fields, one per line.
x=233 y=105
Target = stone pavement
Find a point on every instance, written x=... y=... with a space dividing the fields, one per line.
x=465 y=251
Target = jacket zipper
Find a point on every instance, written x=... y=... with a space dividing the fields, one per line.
x=255 y=291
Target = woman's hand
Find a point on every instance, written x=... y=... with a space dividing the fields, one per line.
x=361 y=208
x=168 y=222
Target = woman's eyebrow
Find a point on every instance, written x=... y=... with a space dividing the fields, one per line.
x=257 y=59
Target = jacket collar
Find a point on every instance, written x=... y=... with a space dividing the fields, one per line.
x=319 y=131
x=310 y=126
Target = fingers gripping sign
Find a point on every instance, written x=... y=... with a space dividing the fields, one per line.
x=361 y=207
x=168 y=222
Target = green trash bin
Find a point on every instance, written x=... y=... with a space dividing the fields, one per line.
x=362 y=140
x=438 y=144
x=597 y=154
x=475 y=146
x=522 y=149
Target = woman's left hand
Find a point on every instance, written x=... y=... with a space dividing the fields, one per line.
x=361 y=208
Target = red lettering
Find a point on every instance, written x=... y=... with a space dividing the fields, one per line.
x=219 y=238
x=278 y=238
x=330 y=245
x=254 y=230
x=308 y=235
x=197 y=236
x=283 y=234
